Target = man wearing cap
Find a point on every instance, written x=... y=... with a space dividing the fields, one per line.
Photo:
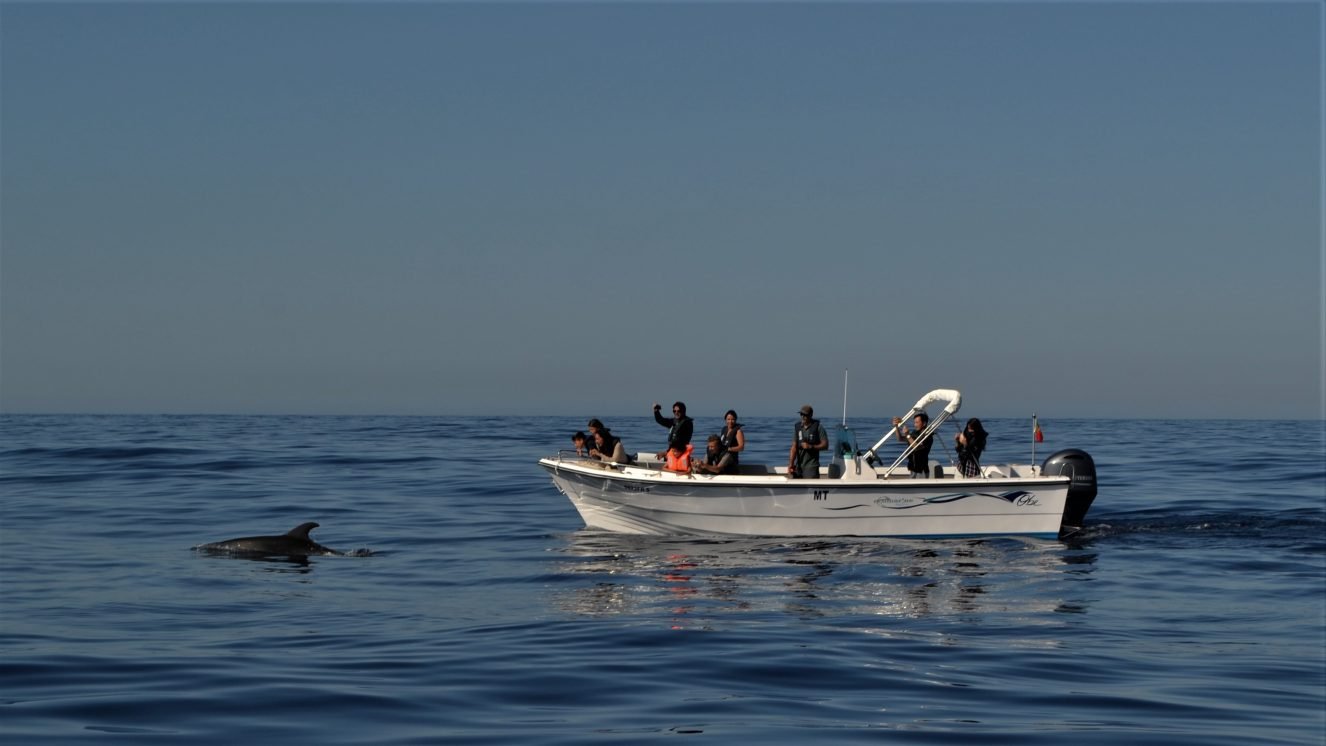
x=809 y=438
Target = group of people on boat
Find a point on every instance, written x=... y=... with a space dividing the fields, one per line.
x=600 y=444
x=723 y=449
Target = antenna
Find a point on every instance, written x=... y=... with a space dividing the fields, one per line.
x=844 y=397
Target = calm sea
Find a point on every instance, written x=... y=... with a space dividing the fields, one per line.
x=1191 y=611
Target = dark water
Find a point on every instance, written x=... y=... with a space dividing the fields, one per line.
x=1190 y=612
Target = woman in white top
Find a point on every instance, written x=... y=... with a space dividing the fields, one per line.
x=608 y=447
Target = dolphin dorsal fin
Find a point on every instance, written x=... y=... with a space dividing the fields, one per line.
x=301 y=531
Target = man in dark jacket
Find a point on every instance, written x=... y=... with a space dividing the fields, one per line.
x=918 y=463
x=680 y=428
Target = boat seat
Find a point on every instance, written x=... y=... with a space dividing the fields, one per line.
x=757 y=469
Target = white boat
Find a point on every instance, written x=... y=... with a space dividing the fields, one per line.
x=860 y=496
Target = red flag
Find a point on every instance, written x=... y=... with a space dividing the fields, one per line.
x=1036 y=430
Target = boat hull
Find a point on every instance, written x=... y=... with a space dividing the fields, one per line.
x=645 y=501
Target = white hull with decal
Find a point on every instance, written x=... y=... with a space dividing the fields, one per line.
x=647 y=500
x=857 y=496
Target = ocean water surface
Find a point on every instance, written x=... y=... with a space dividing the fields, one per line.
x=1192 y=609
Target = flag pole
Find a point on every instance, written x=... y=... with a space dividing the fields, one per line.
x=1034 y=425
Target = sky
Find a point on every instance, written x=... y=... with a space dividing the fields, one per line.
x=1074 y=209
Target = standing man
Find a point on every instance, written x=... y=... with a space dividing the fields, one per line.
x=679 y=428
x=808 y=439
x=918 y=463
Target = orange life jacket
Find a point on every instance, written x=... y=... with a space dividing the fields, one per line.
x=680 y=460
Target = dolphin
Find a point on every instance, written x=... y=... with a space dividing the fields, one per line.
x=294 y=543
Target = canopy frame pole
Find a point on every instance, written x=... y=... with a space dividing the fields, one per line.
x=926 y=433
x=954 y=399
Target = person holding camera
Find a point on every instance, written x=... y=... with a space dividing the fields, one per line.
x=808 y=439
x=680 y=427
x=918 y=463
x=970 y=443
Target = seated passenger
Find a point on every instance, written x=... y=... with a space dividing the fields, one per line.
x=718 y=460
x=733 y=439
x=579 y=441
x=608 y=447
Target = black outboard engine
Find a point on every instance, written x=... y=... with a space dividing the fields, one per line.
x=1081 y=470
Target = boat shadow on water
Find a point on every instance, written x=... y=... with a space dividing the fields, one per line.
x=699 y=581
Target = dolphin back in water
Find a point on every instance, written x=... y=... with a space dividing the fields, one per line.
x=293 y=543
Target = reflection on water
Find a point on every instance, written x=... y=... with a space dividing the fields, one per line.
x=697 y=583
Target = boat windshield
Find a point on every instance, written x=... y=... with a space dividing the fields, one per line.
x=844 y=440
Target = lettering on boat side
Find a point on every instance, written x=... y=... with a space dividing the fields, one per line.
x=892 y=501
x=821 y=494
x=630 y=487
x=1019 y=498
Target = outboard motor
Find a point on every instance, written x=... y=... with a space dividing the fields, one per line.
x=1081 y=470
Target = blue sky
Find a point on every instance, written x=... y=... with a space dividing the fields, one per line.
x=1098 y=210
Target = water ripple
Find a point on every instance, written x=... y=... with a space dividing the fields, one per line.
x=1188 y=611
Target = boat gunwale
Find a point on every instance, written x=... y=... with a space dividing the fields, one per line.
x=635 y=473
